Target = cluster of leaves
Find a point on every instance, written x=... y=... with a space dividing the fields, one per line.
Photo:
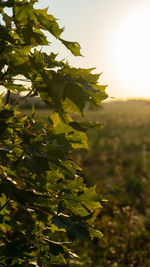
x=44 y=203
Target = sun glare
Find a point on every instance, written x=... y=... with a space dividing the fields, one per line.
x=132 y=52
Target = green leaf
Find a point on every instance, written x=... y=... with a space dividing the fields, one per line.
x=74 y=47
x=75 y=98
x=84 y=126
x=90 y=199
x=50 y=60
x=76 y=139
x=48 y=22
x=14 y=87
x=5 y=35
x=75 y=205
x=55 y=247
x=24 y=14
x=75 y=229
x=96 y=97
x=36 y=59
x=33 y=37
x=7 y=19
x=95 y=233
x=84 y=203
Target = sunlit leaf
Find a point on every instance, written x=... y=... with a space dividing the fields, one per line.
x=74 y=47
x=48 y=22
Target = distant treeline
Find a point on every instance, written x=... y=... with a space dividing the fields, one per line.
x=25 y=103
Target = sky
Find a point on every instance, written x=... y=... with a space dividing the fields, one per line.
x=115 y=39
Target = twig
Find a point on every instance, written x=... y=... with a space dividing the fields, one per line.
x=5 y=204
x=7 y=97
x=43 y=211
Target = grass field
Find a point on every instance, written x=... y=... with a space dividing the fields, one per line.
x=126 y=134
x=119 y=161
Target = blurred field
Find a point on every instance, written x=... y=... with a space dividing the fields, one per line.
x=119 y=161
x=126 y=134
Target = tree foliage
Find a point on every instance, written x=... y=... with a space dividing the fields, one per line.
x=44 y=204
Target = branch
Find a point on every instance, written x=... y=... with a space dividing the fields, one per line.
x=5 y=205
x=43 y=211
x=7 y=97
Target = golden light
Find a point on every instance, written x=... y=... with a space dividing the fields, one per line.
x=131 y=52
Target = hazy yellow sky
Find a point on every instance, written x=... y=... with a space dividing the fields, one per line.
x=115 y=38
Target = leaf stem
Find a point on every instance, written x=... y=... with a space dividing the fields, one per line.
x=43 y=211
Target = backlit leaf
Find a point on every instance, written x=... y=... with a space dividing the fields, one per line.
x=74 y=47
x=48 y=22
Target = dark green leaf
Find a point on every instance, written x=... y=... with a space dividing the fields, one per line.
x=76 y=230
